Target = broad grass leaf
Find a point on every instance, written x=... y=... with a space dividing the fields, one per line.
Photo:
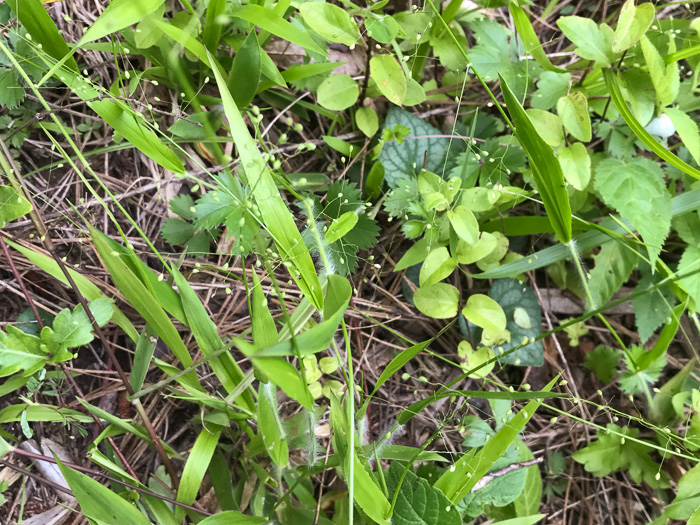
x=455 y=483
x=233 y=516
x=280 y=372
x=545 y=167
x=317 y=338
x=529 y=38
x=333 y=23
x=573 y=111
x=484 y=312
x=405 y=159
x=636 y=189
x=245 y=71
x=128 y=123
x=207 y=336
x=86 y=287
x=35 y=19
x=593 y=42
x=211 y=32
x=275 y=215
x=196 y=466
x=388 y=75
x=438 y=300
x=143 y=301
x=368 y=495
x=613 y=266
x=262 y=322
x=529 y=500
x=14 y=413
x=98 y=502
x=575 y=165
x=523 y=320
x=418 y=501
x=273 y=23
x=367 y=121
x=338 y=92
x=436 y=267
x=612 y=83
x=118 y=15
x=270 y=426
x=12 y=204
x=632 y=23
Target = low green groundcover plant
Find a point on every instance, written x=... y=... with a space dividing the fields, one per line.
x=570 y=159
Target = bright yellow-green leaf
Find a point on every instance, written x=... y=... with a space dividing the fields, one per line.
x=485 y=312
x=573 y=111
x=333 y=23
x=576 y=165
x=436 y=267
x=438 y=300
x=632 y=23
x=12 y=204
x=367 y=121
x=338 y=92
x=388 y=75
x=341 y=226
x=464 y=224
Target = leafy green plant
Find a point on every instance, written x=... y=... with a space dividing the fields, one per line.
x=610 y=132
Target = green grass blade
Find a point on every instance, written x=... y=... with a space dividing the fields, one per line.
x=263 y=324
x=320 y=336
x=128 y=123
x=89 y=290
x=141 y=299
x=546 y=169
x=196 y=467
x=276 y=217
x=281 y=373
x=613 y=84
x=456 y=484
x=98 y=502
x=142 y=358
x=530 y=40
x=207 y=337
x=33 y=16
x=270 y=426
x=211 y=33
x=118 y=15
